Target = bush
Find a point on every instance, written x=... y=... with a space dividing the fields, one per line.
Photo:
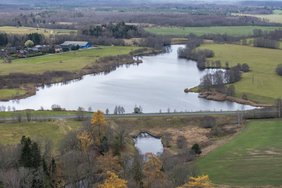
x=167 y=139
x=244 y=96
x=217 y=132
x=230 y=91
x=208 y=122
x=245 y=67
x=181 y=142
x=279 y=70
x=196 y=148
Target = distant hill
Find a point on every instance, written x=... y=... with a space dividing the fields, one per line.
x=120 y=2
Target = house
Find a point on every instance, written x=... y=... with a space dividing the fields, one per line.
x=73 y=44
x=58 y=49
x=22 y=53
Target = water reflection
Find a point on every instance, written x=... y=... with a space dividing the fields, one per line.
x=146 y=143
x=157 y=84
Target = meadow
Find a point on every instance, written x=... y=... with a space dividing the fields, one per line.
x=11 y=133
x=229 y=30
x=261 y=84
x=28 y=30
x=6 y=94
x=252 y=158
x=68 y=61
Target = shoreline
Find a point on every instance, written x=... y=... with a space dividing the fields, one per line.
x=31 y=82
x=217 y=96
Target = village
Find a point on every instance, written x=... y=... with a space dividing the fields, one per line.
x=31 y=50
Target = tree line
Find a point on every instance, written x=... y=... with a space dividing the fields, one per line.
x=217 y=81
x=192 y=53
x=119 y=30
x=267 y=39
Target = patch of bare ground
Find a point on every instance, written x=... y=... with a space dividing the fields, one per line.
x=193 y=134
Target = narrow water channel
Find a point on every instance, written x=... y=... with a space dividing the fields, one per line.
x=156 y=84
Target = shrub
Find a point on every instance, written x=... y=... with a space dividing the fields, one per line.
x=230 y=91
x=29 y=43
x=217 y=132
x=181 y=142
x=245 y=67
x=196 y=148
x=208 y=122
x=244 y=96
x=167 y=139
x=279 y=70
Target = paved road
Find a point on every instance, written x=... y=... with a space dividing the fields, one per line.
x=203 y=113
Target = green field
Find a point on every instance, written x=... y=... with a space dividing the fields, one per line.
x=262 y=84
x=67 y=61
x=229 y=30
x=8 y=93
x=40 y=113
x=28 y=30
x=252 y=158
x=55 y=131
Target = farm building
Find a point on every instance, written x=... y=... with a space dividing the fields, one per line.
x=71 y=44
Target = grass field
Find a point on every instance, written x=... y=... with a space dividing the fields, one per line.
x=229 y=30
x=8 y=93
x=40 y=113
x=11 y=133
x=67 y=61
x=252 y=158
x=262 y=83
x=28 y=30
x=274 y=18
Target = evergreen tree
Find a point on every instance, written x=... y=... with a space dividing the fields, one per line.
x=35 y=155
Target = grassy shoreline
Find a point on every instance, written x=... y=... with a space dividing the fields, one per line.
x=261 y=84
x=75 y=65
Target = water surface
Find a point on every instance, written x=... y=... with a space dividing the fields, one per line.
x=156 y=84
x=146 y=143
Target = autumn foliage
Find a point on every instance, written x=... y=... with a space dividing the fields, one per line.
x=198 y=182
x=98 y=119
x=113 y=181
x=85 y=140
x=153 y=172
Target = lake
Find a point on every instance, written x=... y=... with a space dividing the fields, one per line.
x=156 y=84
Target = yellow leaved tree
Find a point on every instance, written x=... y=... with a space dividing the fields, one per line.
x=198 y=182
x=85 y=140
x=98 y=120
x=113 y=181
x=153 y=172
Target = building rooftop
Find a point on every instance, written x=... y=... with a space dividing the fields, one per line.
x=80 y=43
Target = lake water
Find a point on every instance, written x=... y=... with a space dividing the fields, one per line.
x=156 y=84
x=145 y=143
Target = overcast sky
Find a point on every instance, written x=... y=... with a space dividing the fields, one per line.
x=135 y=1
